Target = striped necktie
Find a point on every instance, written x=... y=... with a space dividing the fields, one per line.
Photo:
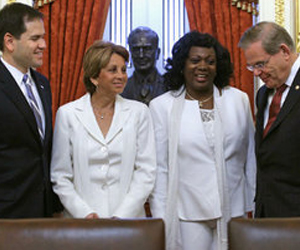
x=33 y=104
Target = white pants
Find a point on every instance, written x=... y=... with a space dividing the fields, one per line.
x=198 y=235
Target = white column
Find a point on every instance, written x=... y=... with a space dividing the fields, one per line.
x=3 y=2
x=267 y=12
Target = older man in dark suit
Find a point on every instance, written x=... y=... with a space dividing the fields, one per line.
x=25 y=115
x=271 y=55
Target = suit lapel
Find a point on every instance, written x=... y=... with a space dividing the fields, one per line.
x=290 y=101
x=85 y=115
x=121 y=116
x=261 y=102
x=12 y=90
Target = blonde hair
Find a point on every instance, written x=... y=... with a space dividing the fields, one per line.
x=97 y=57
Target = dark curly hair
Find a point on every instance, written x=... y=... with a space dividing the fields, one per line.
x=174 y=78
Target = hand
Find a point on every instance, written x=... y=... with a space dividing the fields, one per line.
x=92 y=216
x=250 y=215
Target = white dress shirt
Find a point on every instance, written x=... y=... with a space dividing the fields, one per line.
x=288 y=82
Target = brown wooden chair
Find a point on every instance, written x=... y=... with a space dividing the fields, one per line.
x=81 y=234
x=264 y=234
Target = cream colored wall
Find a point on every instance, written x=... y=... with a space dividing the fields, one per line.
x=151 y=13
x=281 y=12
x=3 y=2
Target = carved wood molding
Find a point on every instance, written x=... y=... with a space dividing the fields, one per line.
x=41 y=3
x=297 y=25
x=251 y=6
x=279 y=12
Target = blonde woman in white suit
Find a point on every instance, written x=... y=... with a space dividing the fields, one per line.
x=205 y=144
x=103 y=160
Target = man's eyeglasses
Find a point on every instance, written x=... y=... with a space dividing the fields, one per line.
x=258 y=65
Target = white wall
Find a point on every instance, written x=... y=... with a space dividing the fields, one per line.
x=3 y=2
x=267 y=12
x=149 y=13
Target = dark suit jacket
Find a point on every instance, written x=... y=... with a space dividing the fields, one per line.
x=25 y=189
x=153 y=83
x=278 y=157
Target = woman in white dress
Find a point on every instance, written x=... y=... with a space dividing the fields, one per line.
x=103 y=159
x=205 y=149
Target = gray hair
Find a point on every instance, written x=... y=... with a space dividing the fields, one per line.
x=270 y=34
x=144 y=30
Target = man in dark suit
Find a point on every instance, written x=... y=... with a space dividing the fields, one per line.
x=146 y=82
x=271 y=55
x=25 y=116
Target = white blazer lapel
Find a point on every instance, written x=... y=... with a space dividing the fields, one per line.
x=121 y=115
x=174 y=125
x=85 y=115
x=220 y=112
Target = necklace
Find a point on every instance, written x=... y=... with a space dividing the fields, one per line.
x=200 y=103
x=100 y=114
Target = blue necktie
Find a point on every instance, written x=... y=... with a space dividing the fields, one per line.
x=33 y=104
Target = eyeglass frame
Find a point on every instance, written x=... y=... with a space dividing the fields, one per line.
x=259 y=65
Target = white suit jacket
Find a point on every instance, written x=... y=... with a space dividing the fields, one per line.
x=75 y=122
x=238 y=153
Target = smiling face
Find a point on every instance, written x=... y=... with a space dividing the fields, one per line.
x=27 y=51
x=277 y=67
x=200 y=70
x=113 y=77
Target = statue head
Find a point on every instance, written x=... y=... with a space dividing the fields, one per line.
x=143 y=46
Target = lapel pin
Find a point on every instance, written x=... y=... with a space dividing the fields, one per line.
x=42 y=86
x=297 y=87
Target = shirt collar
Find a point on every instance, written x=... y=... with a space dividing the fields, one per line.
x=16 y=74
x=293 y=73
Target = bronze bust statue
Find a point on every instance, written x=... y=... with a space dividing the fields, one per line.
x=146 y=82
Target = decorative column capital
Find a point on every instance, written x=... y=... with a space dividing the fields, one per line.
x=41 y=3
x=246 y=5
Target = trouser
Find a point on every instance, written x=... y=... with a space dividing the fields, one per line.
x=198 y=235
